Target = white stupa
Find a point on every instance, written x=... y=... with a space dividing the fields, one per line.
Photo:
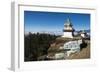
x=68 y=29
x=83 y=34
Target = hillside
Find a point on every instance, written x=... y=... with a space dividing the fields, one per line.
x=55 y=48
x=83 y=54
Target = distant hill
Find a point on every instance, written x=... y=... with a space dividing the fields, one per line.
x=88 y=30
x=46 y=32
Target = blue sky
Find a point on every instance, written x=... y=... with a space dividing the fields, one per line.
x=53 y=21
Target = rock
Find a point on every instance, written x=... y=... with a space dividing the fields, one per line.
x=59 y=56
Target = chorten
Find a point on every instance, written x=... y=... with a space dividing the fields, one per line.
x=68 y=29
x=83 y=34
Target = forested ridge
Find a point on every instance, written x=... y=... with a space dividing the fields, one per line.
x=36 y=45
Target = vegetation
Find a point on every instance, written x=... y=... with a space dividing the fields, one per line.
x=37 y=45
x=83 y=54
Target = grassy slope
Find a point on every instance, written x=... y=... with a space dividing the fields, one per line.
x=83 y=54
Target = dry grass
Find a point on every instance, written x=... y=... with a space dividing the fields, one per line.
x=83 y=54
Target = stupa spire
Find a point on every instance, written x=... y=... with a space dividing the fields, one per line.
x=68 y=22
